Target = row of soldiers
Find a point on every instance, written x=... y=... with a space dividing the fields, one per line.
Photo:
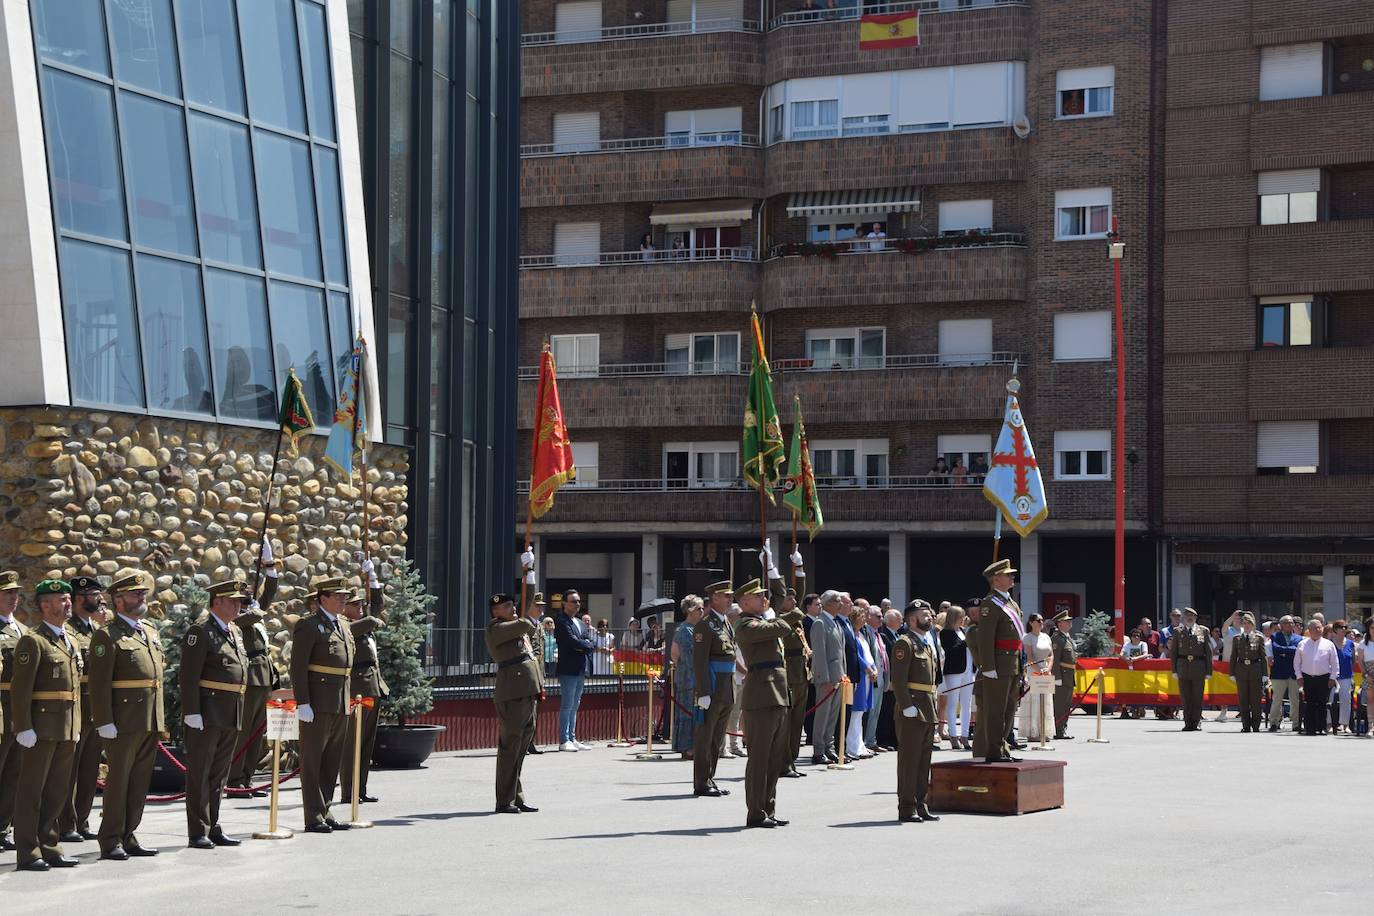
x=79 y=681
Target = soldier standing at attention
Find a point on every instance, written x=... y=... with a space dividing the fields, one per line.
x=764 y=701
x=516 y=695
x=47 y=722
x=262 y=678
x=214 y=676
x=795 y=652
x=126 y=699
x=535 y=612
x=88 y=614
x=11 y=631
x=322 y=654
x=713 y=667
x=1249 y=666
x=1064 y=662
x=1190 y=650
x=915 y=673
x=1000 y=631
x=365 y=616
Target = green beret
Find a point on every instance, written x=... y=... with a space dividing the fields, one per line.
x=52 y=587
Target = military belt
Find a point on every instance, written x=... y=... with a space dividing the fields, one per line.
x=765 y=666
x=222 y=685
x=328 y=669
x=1068 y=664
x=85 y=678
x=67 y=696
x=794 y=653
x=1008 y=645
x=4 y=686
x=133 y=685
x=522 y=657
x=924 y=688
x=1191 y=658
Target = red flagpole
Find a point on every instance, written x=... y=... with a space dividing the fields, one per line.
x=1115 y=252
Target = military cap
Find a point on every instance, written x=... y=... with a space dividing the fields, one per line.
x=86 y=584
x=329 y=585
x=129 y=580
x=752 y=587
x=917 y=604
x=1188 y=610
x=998 y=568
x=1062 y=615
x=539 y=598
x=720 y=588
x=499 y=599
x=52 y=587
x=9 y=581
x=229 y=588
x=357 y=596
x=791 y=593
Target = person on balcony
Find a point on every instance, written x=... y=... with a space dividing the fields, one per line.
x=646 y=247
x=939 y=474
x=877 y=238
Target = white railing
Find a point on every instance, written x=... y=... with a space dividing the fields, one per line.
x=682 y=140
x=823 y=13
x=656 y=256
x=644 y=30
x=969 y=482
x=860 y=245
x=783 y=366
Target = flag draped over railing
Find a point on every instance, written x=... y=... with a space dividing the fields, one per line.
x=551 y=456
x=349 y=435
x=799 y=488
x=878 y=31
x=762 y=449
x=295 y=418
x=1013 y=483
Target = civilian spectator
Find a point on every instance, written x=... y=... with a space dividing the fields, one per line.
x=877 y=238
x=827 y=670
x=1132 y=649
x=634 y=635
x=1366 y=659
x=646 y=247
x=1150 y=636
x=679 y=248
x=1316 y=664
x=653 y=642
x=603 y=660
x=882 y=685
x=958 y=684
x=959 y=474
x=1175 y=621
x=939 y=472
x=1038 y=649
x=550 y=646
x=863 y=685
x=887 y=635
x=978 y=469
x=576 y=644
x=1283 y=679
x=1345 y=679
x=684 y=680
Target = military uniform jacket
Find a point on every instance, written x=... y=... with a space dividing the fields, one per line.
x=914 y=662
x=537 y=647
x=1248 y=661
x=760 y=642
x=80 y=631
x=367 y=670
x=996 y=634
x=794 y=649
x=1063 y=657
x=714 y=639
x=126 y=678
x=1190 y=650
x=214 y=674
x=517 y=671
x=321 y=662
x=260 y=671
x=10 y=634
x=46 y=686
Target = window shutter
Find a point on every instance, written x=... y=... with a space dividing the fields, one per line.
x=1292 y=71
x=866 y=94
x=1085 y=78
x=1083 y=197
x=1294 y=181
x=577 y=21
x=1288 y=444
x=972 y=444
x=980 y=94
x=720 y=14
x=577 y=243
x=1083 y=335
x=717 y=120
x=813 y=89
x=923 y=96
x=965 y=340
x=960 y=215
x=585 y=455
x=1088 y=440
x=577 y=131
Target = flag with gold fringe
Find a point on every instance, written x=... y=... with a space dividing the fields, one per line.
x=799 y=489
x=295 y=418
x=551 y=457
x=762 y=448
x=349 y=435
x=1013 y=483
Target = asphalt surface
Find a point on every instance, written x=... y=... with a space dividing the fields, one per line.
x=1154 y=822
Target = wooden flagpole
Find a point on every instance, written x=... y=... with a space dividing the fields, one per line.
x=266 y=513
x=762 y=422
x=529 y=500
x=793 y=569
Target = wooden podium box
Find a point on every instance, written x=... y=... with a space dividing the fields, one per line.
x=997 y=788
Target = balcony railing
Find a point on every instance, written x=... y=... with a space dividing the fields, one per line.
x=853 y=11
x=645 y=30
x=782 y=366
x=910 y=245
x=885 y=482
x=671 y=141
x=664 y=256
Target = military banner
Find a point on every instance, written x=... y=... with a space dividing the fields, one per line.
x=551 y=458
x=799 y=487
x=1013 y=483
x=762 y=450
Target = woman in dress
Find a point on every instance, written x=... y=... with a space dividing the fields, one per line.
x=684 y=682
x=604 y=657
x=1038 y=649
x=863 y=693
x=634 y=636
x=958 y=685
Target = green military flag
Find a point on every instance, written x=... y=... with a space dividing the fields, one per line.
x=295 y=418
x=762 y=447
x=799 y=489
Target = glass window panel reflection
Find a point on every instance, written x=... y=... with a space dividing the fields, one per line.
x=225 y=206
x=174 y=346
x=439 y=199
x=71 y=32
x=400 y=345
x=102 y=341
x=331 y=214
x=315 y=48
x=210 y=41
x=401 y=266
x=87 y=192
x=287 y=197
x=145 y=49
x=237 y=309
x=443 y=36
x=272 y=59
x=469 y=379
x=340 y=334
x=403 y=25
x=438 y=371
x=301 y=339
x=158 y=174
x=438 y=506
x=471 y=166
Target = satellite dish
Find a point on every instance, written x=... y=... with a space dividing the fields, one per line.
x=1021 y=127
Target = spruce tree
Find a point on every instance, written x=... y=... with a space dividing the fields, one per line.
x=399 y=644
x=1095 y=639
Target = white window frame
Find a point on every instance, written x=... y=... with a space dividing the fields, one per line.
x=1314 y=321
x=696 y=137
x=1086 y=200
x=1287 y=191
x=588 y=473
x=965 y=445
x=581 y=366
x=856 y=337
x=862 y=449
x=814 y=109
x=1069 y=324
x=689 y=341
x=1082 y=443
x=695 y=450
x=1087 y=80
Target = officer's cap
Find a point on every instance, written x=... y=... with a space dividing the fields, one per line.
x=499 y=599
x=229 y=588
x=330 y=585
x=752 y=587
x=722 y=587
x=129 y=580
x=86 y=584
x=9 y=581
x=1062 y=615
x=1189 y=612
x=998 y=568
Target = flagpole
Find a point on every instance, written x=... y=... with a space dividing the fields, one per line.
x=266 y=511
x=997 y=536
x=762 y=422
x=534 y=448
x=794 y=550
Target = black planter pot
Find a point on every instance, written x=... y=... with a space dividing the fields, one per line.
x=168 y=779
x=404 y=747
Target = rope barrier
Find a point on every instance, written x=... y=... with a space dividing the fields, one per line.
x=235 y=792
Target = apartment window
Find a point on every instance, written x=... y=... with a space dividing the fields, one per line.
x=577 y=132
x=1082 y=336
x=585 y=455
x=701 y=464
x=1287 y=321
x=576 y=354
x=1085 y=92
x=848 y=348
x=713 y=353
x=775 y=123
x=1289 y=196
x=850 y=463
x=965 y=341
x=973 y=451
x=981 y=95
x=1083 y=214
x=703 y=127
x=577 y=21
x=1082 y=455
x=863 y=125
x=819 y=118
x=577 y=243
x=965 y=216
x=824 y=229
x=1292 y=71
x=1287 y=446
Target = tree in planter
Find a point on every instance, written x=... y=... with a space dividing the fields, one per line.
x=398 y=646
x=192 y=601
x=1095 y=639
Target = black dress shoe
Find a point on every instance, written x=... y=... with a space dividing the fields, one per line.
x=6 y=844
x=507 y=809
x=71 y=836
x=115 y=854
x=533 y=750
x=62 y=862
x=336 y=825
x=144 y=852
x=35 y=865
x=529 y=809
x=1062 y=737
x=927 y=816
x=319 y=828
x=368 y=799
x=1019 y=746
x=831 y=758
x=1010 y=759
x=908 y=819
x=792 y=774
x=708 y=792
x=200 y=842
x=87 y=835
x=217 y=836
x=780 y=822
x=259 y=793
x=766 y=822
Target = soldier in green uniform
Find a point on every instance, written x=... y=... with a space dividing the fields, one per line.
x=915 y=674
x=365 y=615
x=764 y=701
x=88 y=614
x=795 y=654
x=126 y=701
x=322 y=653
x=11 y=631
x=1249 y=666
x=515 y=695
x=1064 y=662
x=1190 y=651
x=1000 y=630
x=214 y=678
x=262 y=678
x=713 y=667
x=535 y=612
x=45 y=701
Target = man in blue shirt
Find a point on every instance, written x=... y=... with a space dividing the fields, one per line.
x=1283 y=646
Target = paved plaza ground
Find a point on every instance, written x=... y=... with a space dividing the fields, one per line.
x=1154 y=822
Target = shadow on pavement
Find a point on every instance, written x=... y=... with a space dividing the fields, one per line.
x=698 y=831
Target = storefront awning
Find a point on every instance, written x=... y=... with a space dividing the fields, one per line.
x=730 y=212
x=854 y=203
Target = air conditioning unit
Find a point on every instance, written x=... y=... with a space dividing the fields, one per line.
x=1021 y=127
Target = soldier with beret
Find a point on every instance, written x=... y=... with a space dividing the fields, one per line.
x=516 y=693
x=1064 y=662
x=11 y=631
x=713 y=662
x=322 y=653
x=915 y=674
x=1190 y=651
x=999 y=635
x=765 y=702
x=214 y=676
x=535 y=612
x=88 y=615
x=262 y=678
x=45 y=700
x=1249 y=666
x=127 y=663
x=366 y=615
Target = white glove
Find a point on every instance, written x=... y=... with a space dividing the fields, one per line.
x=270 y=571
x=769 y=614
x=703 y=702
x=108 y=732
x=305 y=713
x=27 y=738
x=1058 y=683
x=368 y=566
x=529 y=578
x=990 y=674
x=370 y=569
x=796 y=558
x=266 y=550
x=527 y=559
x=253 y=606
x=194 y=721
x=909 y=712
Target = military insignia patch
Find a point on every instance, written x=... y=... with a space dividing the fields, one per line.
x=700 y=638
x=99 y=651
x=21 y=657
x=191 y=639
x=899 y=654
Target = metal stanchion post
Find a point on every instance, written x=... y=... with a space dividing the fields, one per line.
x=354 y=820
x=620 y=709
x=649 y=749
x=846 y=698
x=1099 y=739
x=1044 y=744
x=273 y=832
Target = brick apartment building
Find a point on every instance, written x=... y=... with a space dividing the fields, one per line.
x=755 y=145
x=1269 y=305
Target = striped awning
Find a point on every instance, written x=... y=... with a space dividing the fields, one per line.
x=854 y=203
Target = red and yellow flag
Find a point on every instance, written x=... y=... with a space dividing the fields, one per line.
x=551 y=463
x=878 y=31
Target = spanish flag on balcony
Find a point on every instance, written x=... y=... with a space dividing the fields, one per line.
x=551 y=459
x=878 y=31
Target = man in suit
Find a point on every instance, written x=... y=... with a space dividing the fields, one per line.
x=915 y=676
x=11 y=631
x=811 y=609
x=127 y=663
x=1064 y=662
x=827 y=671
x=516 y=694
x=1190 y=652
x=322 y=653
x=47 y=721
x=88 y=614
x=764 y=700
x=214 y=678
x=713 y=664
x=575 y=647
x=366 y=615
x=883 y=686
x=1000 y=631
